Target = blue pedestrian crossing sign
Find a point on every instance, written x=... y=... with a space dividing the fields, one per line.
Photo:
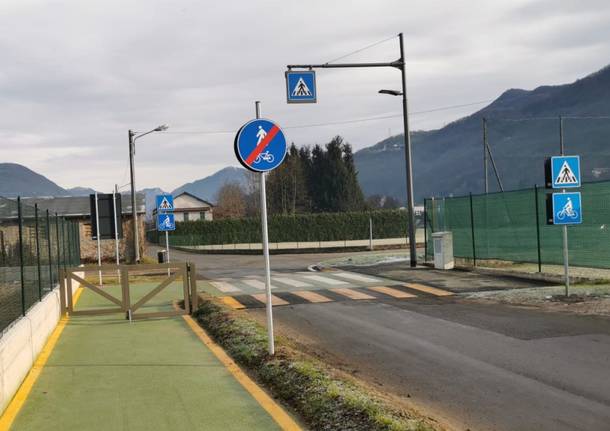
x=164 y=203
x=565 y=172
x=301 y=86
x=567 y=208
x=260 y=145
x=166 y=222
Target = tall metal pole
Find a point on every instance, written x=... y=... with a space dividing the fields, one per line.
x=51 y=284
x=566 y=253
x=167 y=250
x=409 y=168
x=269 y=305
x=38 y=252
x=485 y=182
x=116 y=224
x=97 y=235
x=21 y=254
x=134 y=211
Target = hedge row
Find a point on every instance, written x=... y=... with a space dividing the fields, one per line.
x=292 y=228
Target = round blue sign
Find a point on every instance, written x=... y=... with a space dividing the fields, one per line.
x=260 y=145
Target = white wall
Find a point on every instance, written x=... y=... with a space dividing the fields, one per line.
x=22 y=342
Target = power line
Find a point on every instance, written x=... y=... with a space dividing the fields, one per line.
x=338 y=122
x=361 y=49
x=555 y=118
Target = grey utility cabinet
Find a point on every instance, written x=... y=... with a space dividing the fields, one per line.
x=443 y=250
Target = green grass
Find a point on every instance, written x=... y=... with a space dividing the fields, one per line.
x=323 y=401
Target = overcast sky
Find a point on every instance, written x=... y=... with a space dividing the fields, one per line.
x=76 y=75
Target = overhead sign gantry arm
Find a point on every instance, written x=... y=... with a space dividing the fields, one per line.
x=398 y=64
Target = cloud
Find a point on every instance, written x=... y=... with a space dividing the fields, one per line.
x=75 y=76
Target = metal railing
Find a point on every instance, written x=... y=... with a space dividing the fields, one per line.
x=34 y=246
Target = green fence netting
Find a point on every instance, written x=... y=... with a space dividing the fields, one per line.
x=34 y=245
x=512 y=226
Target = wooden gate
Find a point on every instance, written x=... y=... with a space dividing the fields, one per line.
x=124 y=304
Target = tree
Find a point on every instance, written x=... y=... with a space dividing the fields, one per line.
x=287 y=185
x=252 y=194
x=231 y=202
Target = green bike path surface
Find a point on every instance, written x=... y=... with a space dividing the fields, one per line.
x=106 y=373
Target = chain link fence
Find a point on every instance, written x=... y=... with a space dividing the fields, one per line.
x=511 y=226
x=34 y=246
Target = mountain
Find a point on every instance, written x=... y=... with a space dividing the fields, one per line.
x=207 y=188
x=150 y=199
x=17 y=180
x=80 y=191
x=523 y=129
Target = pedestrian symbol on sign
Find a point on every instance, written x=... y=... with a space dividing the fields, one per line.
x=301 y=89
x=566 y=175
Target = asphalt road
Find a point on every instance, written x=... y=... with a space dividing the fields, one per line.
x=471 y=366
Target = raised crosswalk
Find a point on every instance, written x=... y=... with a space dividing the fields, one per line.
x=307 y=287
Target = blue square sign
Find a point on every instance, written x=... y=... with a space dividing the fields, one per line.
x=164 y=203
x=567 y=208
x=301 y=86
x=166 y=222
x=565 y=172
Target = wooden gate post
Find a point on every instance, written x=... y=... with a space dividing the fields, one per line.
x=193 y=284
x=62 y=292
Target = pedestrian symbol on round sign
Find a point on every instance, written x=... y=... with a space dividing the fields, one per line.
x=260 y=145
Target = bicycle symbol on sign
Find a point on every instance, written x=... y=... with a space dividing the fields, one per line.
x=567 y=211
x=266 y=156
x=167 y=223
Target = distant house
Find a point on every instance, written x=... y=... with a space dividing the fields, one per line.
x=78 y=208
x=188 y=207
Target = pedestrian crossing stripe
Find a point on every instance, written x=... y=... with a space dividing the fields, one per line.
x=223 y=286
x=257 y=284
x=325 y=280
x=301 y=89
x=355 y=277
x=275 y=300
x=566 y=175
x=352 y=294
x=392 y=292
x=232 y=302
x=428 y=289
x=291 y=282
x=311 y=296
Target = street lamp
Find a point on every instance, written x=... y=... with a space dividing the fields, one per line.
x=401 y=65
x=391 y=92
x=134 y=213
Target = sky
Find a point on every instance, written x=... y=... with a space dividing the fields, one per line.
x=76 y=75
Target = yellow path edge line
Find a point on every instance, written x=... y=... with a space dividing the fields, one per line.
x=278 y=414
x=20 y=397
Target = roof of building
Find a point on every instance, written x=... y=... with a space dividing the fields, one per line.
x=194 y=197
x=79 y=206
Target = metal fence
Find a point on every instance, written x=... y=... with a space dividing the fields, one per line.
x=512 y=226
x=34 y=246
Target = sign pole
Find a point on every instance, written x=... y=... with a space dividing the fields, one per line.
x=116 y=230
x=167 y=249
x=566 y=254
x=269 y=305
x=97 y=235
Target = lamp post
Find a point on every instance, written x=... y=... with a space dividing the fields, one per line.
x=401 y=65
x=134 y=212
